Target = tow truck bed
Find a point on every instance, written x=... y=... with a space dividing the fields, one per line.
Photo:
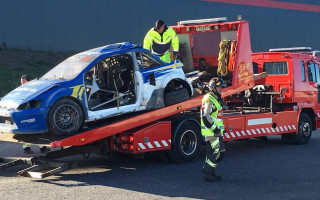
x=127 y=124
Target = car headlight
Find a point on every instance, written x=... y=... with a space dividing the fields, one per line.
x=30 y=104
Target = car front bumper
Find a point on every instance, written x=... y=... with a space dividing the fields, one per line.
x=26 y=121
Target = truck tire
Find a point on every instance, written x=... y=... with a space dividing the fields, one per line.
x=176 y=96
x=65 y=117
x=304 y=132
x=304 y=129
x=186 y=142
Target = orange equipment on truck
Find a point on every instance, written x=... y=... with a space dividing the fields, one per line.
x=283 y=103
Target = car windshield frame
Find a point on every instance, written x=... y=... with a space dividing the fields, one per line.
x=71 y=67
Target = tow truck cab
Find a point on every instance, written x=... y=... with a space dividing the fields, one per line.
x=292 y=72
x=293 y=78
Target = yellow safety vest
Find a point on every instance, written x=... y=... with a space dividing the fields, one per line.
x=217 y=117
x=161 y=45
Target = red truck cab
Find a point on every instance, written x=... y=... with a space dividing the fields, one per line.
x=293 y=75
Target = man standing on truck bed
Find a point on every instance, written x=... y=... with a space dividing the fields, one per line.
x=160 y=40
x=212 y=128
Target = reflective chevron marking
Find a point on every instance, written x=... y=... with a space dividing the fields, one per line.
x=154 y=144
x=258 y=131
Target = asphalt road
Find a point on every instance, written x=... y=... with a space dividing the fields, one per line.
x=252 y=169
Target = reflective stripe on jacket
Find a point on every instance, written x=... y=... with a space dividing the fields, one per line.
x=215 y=116
x=160 y=45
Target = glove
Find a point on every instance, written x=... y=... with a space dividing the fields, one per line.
x=175 y=55
x=223 y=133
x=215 y=130
x=218 y=134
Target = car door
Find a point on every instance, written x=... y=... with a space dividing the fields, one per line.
x=110 y=86
x=149 y=68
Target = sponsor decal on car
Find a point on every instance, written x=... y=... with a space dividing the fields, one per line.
x=32 y=120
x=77 y=91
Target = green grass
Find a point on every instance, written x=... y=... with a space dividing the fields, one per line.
x=10 y=79
x=15 y=63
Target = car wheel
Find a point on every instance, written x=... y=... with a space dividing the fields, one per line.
x=186 y=142
x=65 y=117
x=176 y=96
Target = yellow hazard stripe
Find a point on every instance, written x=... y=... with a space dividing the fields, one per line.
x=213 y=144
x=210 y=163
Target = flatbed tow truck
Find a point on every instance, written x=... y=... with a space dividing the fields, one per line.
x=256 y=105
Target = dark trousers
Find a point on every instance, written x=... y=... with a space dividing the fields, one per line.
x=215 y=154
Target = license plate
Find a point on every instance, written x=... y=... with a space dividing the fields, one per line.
x=203 y=28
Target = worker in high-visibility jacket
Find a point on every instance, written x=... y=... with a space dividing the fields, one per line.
x=160 y=40
x=212 y=127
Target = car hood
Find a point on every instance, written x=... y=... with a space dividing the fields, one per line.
x=27 y=92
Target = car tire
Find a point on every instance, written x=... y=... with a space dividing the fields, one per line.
x=176 y=96
x=65 y=117
x=186 y=142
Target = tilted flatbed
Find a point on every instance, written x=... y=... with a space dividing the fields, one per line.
x=175 y=129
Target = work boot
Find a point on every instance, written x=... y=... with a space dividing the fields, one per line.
x=212 y=178
x=210 y=175
x=218 y=178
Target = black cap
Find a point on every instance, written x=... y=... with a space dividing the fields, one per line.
x=159 y=23
x=25 y=77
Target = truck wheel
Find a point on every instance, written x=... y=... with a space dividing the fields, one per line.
x=186 y=142
x=304 y=129
x=65 y=117
x=176 y=96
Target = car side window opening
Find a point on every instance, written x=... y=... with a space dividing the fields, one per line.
x=311 y=72
x=110 y=83
x=145 y=60
x=139 y=60
x=70 y=68
x=276 y=68
x=303 y=72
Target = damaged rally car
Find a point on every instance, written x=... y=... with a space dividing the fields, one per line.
x=92 y=85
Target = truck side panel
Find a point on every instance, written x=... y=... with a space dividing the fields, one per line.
x=258 y=125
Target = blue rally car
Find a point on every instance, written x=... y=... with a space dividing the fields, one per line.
x=92 y=85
